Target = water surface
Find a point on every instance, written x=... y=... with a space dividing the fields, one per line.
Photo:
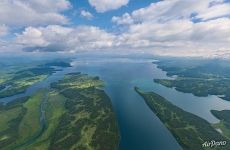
x=140 y=129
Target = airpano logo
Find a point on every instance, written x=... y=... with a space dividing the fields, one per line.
x=214 y=143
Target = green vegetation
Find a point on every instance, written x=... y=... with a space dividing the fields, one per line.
x=199 y=87
x=224 y=124
x=196 y=68
x=54 y=110
x=78 y=115
x=203 y=79
x=10 y=118
x=23 y=79
x=20 y=121
x=30 y=124
x=17 y=82
x=89 y=122
x=189 y=130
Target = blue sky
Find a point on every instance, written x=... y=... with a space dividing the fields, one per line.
x=168 y=27
x=102 y=20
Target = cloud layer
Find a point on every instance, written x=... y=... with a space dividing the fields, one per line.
x=58 y=38
x=32 y=12
x=179 y=27
x=170 y=27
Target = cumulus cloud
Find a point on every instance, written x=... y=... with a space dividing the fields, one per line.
x=218 y=10
x=106 y=5
x=125 y=19
x=177 y=27
x=58 y=38
x=86 y=14
x=31 y=36
x=33 y=12
x=170 y=27
x=163 y=28
x=177 y=9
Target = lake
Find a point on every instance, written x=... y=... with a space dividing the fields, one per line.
x=139 y=127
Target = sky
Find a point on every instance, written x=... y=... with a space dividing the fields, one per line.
x=199 y=28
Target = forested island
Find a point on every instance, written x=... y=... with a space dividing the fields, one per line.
x=189 y=130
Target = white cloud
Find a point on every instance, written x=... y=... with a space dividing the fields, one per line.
x=31 y=37
x=168 y=28
x=213 y=31
x=106 y=5
x=215 y=11
x=125 y=19
x=177 y=9
x=3 y=30
x=58 y=38
x=180 y=37
x=33 y=12
x=86 y=14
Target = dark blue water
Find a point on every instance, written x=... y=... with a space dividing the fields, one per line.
x=140 y=129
